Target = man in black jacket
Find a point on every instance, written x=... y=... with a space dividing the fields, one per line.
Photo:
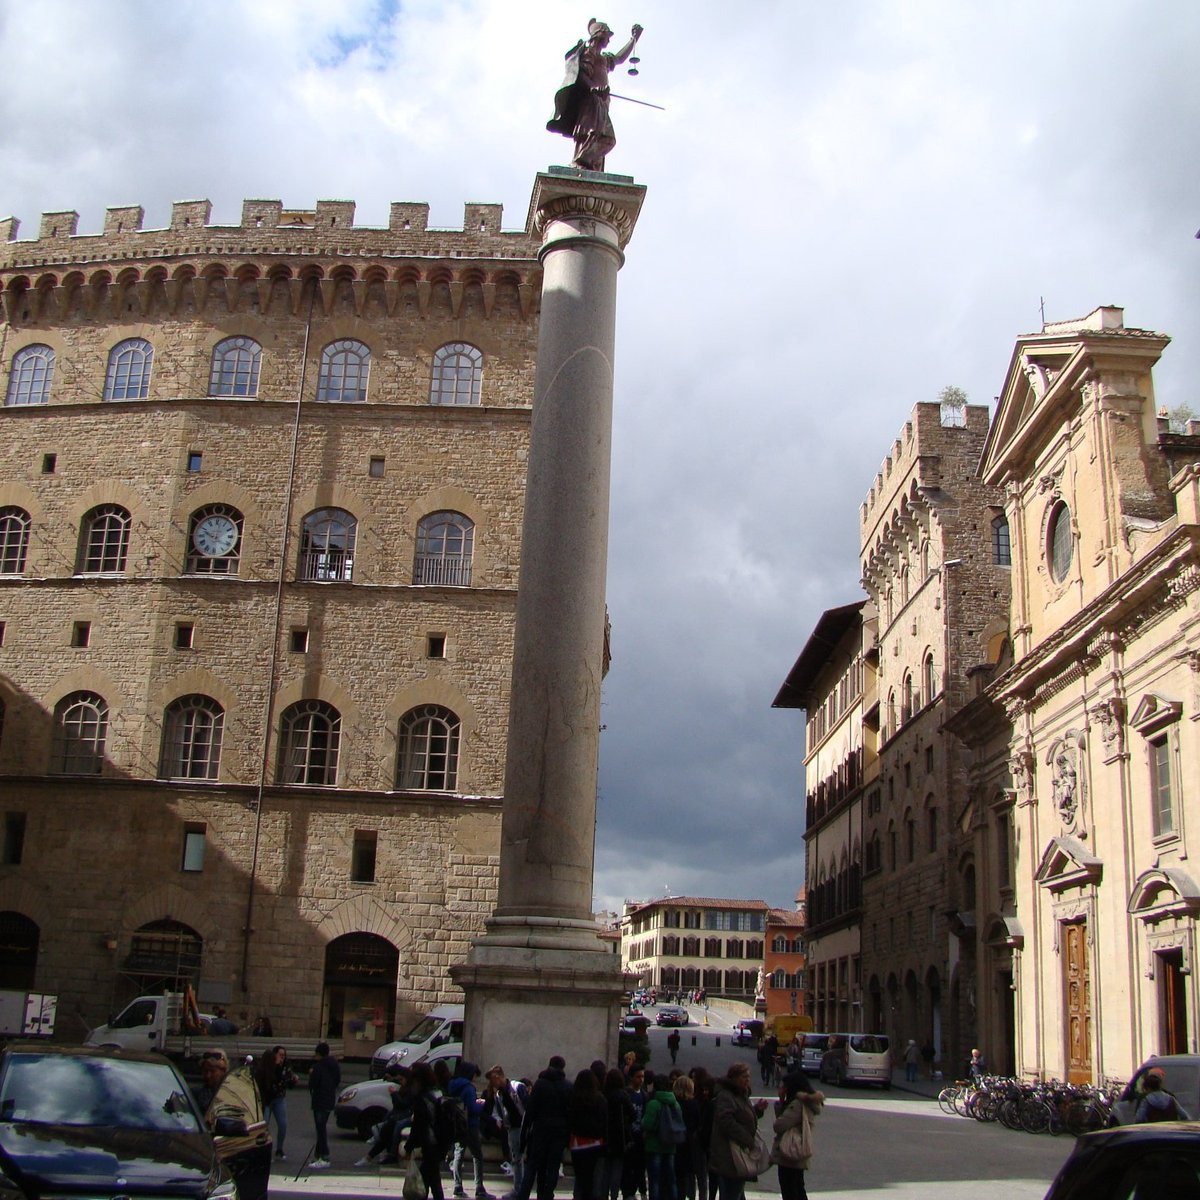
x=545 y=1131
x=323 y=1081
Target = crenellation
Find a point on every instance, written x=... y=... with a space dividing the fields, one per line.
x=128 y=219
x=58 y=225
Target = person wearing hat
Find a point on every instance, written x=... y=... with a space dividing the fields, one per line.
x=1157 y=1104
x=581 y=104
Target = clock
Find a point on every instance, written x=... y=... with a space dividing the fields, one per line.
x=215 y=536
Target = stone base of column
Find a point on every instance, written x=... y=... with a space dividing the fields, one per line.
x=526 y=1003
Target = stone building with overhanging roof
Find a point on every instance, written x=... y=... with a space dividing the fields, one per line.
x=261 y=496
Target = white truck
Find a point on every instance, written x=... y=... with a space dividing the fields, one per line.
x=26 y=1014
x=157 y=1023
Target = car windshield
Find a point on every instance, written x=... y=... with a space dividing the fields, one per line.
x=423 y=1030
x=62 y=1089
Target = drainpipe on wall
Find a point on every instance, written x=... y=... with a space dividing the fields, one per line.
x=269 y=703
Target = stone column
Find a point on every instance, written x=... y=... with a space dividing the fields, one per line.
x=540 y=981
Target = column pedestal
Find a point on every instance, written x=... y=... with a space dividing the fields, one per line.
x=540 y=981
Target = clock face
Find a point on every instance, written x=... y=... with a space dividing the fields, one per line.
x=215 y=536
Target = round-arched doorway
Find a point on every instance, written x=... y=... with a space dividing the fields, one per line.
x=359 y=1005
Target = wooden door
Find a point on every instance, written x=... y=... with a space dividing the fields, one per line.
x=1077 y=990
x=1173 y=999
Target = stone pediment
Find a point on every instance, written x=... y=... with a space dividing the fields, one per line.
x=1066 y=863
x=1154 y=712
x=1164 y=892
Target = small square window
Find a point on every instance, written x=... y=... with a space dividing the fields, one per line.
x=14 y=839
x=298 y=641
x=49 y=464
x=362 y=856
x=81 y=634
x=195 y=458
x=185 y=633
x=435 y=645
x=375 y=470
x=194 y=837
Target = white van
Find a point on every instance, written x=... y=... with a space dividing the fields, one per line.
x=857 y=1058
x=438 y=1028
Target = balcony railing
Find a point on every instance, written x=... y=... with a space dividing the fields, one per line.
x=441 y=571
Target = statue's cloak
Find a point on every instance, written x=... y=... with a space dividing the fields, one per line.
x=566 y=99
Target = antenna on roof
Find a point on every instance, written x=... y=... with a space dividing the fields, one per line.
x=1042 y=306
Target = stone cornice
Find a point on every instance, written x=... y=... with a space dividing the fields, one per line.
x=563 y=194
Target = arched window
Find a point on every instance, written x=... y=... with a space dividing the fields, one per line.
x=910 y=835
x=214 y=541
x=428 y=750
x=30 y=376
x=928 y=679
x=80 y=732
x=890 y=715
x=457 y=374
x=931 y=821
x=191 y=744
x=1001 y=547
x=906 y=699
x=344 y=369
x=129 y=366
x=779 y=978
x=163 y=956
x=327 y=545
x=779 y=944
x=104 y=540
x=310 y=738
x=235 y=367
x=1060 y=544
x=445 y=544
x=14 y=540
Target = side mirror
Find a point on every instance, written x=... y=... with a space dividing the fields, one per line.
x=230 y=1127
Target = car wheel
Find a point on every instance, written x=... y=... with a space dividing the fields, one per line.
x=367 y=1121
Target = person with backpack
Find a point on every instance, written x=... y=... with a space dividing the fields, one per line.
x=429 y=1132
x=545 y=1131
x=465 y=1106
x=663 y=1131
x=1157 y=1104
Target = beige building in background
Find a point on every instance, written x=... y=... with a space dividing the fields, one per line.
x=261 y=494
x=834 y=681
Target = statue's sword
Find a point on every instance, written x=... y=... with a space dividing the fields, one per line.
x=646 y=103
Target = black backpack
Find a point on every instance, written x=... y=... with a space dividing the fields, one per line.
x=449 y=1124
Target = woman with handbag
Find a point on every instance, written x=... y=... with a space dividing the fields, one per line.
x=587 y=1124
x=736 y=1152
x=792 y=1151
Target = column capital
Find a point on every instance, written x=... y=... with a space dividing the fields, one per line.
x=566 y=194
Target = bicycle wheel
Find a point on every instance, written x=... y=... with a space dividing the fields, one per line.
x=1035 y=1115
x=946 y=1098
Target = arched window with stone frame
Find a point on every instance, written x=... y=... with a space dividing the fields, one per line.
x=80 y=734
x=906 y=699
x=129 y=366
x=234 y=368
x=445 y=548
x=457 y=374
x=30 y=376
x=428 y=750
x=14 y=540
x=327 y=546
x=191 y=743
x=345 y=368
x=104 y=540
x=928 y=679
x=310 y=744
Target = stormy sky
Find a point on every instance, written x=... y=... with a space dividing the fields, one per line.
x=850 y=207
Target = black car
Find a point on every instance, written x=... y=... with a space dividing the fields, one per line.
x=102 y=1123
x=671 y=1014
x=1133 y=1162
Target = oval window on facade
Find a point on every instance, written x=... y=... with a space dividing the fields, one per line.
x=1060 y=544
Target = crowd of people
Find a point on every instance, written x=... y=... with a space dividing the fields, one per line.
x=676 y=1136
x=630 y=1133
